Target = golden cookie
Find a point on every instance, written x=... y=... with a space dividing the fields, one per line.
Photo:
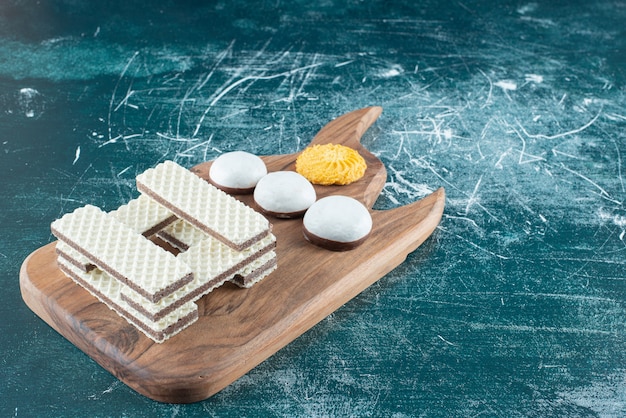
x=330 y=164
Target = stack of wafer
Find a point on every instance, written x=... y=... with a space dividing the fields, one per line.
x=115 y=256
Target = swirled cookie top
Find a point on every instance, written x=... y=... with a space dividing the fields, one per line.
x=331 y=164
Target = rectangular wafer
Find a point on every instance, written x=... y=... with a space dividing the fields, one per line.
x=224 y=261
x=153 y=311
x=213 y=263
x=256 y=271
x=200 y=286
x=107 y=290
x=144 y=215
x=203 y=205
x=183 y=235
x=121 y=252
x=75 y=257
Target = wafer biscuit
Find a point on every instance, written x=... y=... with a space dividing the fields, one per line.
x=152 y=311
x=256 y=271
x=122 y=253
x=222 y=259
x=144 y=215
x=75 y=257
x=203 y=205
x=107 y=290
x=182 y=235
x=200 y=286
x=254 y=277
x=213 y=263
x=168 y=304
x=222 y=256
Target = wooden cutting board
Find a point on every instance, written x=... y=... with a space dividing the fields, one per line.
x=239 y=328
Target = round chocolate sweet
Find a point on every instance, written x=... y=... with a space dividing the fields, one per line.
x=337 y=223
x=284 y=194
x=237 y=172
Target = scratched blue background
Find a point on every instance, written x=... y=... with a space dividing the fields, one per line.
x=515 y=306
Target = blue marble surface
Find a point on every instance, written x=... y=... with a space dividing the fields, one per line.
x=516 y=305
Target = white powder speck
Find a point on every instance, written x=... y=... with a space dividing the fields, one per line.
x=29 y=101
x=77 y=156
x=617 y=220
x=534 y=78
x=527 y=8
x=394 y=71
x=506 y=85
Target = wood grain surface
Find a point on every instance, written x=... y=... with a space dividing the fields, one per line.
x=239 y=328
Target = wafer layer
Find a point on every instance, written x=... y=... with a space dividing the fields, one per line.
x=152 y=311
x=144 y=215
x=214 y=264
x=74 y=257
x=203 y=205
x=116 y=249
x=107 y=290
x=255 y=271
x=225 y=260
x=183 y=235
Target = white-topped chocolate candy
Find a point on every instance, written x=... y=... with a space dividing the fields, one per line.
x=237 y=172
x=337 y=223
x=284 y=194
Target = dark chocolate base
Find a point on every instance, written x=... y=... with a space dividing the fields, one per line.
x=332 y=245
x=281 y=215
x=232 y=190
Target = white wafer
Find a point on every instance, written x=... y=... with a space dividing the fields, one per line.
x=256 y=271
x=144 y=215
x=213 y=263
x=75 y=257
x=203 y=205
x=200 y=286
x=182 y=235
x=107 y=290
x=223 y=260
x=222 y=257
x=168 y=304
x=152 y=311
x=121 y=252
